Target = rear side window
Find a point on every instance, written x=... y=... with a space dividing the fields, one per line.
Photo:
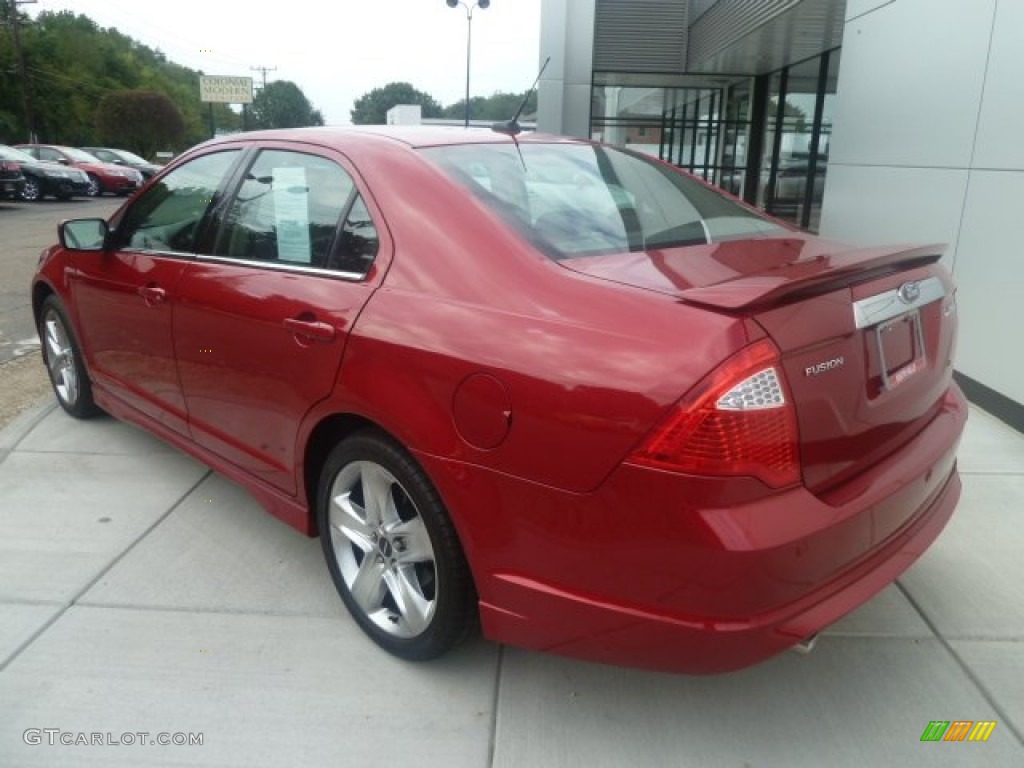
x=298 y=209
x=167 y=216
x=581 y=200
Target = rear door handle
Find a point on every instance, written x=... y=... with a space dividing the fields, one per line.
x=153 y=294
x=311 y=329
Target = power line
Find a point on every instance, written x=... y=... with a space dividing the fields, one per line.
x=264 y=70
x=43 y=74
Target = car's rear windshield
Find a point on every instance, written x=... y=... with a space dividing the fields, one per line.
x=79 y=156
x=129 y=157
x=10 y=153
x=575 y=200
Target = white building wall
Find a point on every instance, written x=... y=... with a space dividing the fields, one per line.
x=928 y=146
x=563 y=94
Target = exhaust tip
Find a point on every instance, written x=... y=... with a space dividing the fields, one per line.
x=806 y=645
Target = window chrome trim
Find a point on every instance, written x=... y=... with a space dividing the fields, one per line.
x=181 y=255
x=885 y=306
x=278 y=266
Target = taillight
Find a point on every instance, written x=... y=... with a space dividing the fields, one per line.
x=740 y=420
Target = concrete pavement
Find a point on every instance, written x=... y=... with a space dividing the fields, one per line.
x=140 y=592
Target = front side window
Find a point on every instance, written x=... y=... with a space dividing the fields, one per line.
x=167 y=217
x=79 y=156
x=288 y=210
x=583 y=200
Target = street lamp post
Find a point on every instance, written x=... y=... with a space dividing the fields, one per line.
x=482 y=5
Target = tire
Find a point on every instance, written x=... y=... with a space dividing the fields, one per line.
x=396 y=560
x=31 y=192
x=63 y=360
x=95 y=189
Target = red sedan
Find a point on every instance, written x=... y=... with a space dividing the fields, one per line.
x=556 y=387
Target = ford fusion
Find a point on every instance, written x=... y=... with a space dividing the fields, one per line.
x=555 y=389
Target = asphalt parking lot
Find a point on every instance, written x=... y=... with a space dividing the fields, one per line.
x=140 y=593
x=25 y=229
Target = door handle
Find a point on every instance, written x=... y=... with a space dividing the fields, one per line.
x=311 y=329
x=153 y=294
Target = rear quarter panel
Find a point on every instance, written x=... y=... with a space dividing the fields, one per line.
x=587 y=366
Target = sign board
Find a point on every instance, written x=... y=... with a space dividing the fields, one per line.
x=225 y=90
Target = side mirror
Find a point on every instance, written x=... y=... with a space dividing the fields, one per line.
x=83 y=234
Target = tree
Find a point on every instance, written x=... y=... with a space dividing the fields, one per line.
x=372 y=108
x=142 y=121
x=282 y=104
x=497 y=106
x=71 y=64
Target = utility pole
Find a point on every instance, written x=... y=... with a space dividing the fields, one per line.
x=26 y=86
x=264 y=71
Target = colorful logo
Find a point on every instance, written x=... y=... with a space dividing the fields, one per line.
x=958 y=730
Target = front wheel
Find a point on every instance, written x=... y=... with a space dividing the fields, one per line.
x=31 y=191
x=94 y=189
x=63 y=361
x=392 y=550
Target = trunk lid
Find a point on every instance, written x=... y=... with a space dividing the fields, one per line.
x=866 y=335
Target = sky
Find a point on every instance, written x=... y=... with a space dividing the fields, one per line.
x=335 y=51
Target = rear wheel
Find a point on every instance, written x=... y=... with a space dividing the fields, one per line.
x=64 y=362
x=31 y=191
x=392 y=550
x=94 y=189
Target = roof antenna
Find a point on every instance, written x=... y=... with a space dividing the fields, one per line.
x=512 y=127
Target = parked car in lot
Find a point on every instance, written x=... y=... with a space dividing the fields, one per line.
x=557 y=386
x=42 y=179
x=12 y=180
x=122 y=157
x=103 y=177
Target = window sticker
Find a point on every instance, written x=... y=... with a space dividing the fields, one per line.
x=291 y=215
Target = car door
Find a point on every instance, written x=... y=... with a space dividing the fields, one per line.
x=261 y=323
x=124 y=297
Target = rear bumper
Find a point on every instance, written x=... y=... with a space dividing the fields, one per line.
x=633 y=574
x=119 y=184
x=50 y=185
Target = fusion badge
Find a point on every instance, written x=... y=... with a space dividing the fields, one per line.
x=824 y=367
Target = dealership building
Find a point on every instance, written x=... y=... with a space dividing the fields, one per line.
x=868 y=121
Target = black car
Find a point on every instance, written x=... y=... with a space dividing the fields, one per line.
x=123 y=157
x=41 y=178
x=12 y=181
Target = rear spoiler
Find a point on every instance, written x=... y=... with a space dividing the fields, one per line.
x=813 y=277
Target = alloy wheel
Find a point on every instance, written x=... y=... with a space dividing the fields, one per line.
x=31 y=192
x=60 y=359
x=93 y=189
x=382 y=549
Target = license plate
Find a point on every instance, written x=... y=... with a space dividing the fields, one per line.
x=901 y=351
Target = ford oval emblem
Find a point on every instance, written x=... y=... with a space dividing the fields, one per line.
x=908 y=293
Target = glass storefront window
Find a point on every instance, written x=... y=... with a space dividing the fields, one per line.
x=629 y=116
x=705 y=126
x=796 y=144
x=701 y=128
